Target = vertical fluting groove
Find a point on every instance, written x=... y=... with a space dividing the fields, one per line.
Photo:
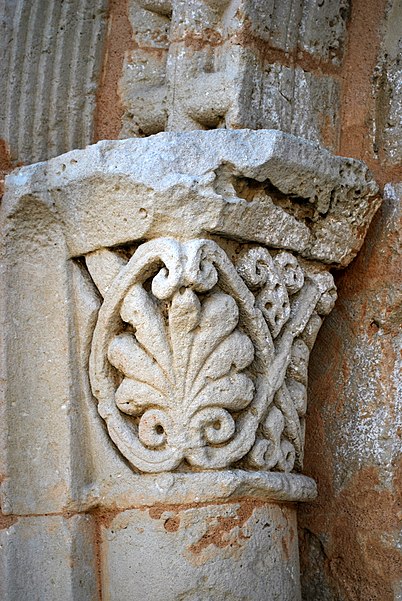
x=44 y=82
x=93 y=69
x=6 y=14
x=61 y=79
x=79 y=53
x=52 y=59
x=29 y=75
x=13 y=76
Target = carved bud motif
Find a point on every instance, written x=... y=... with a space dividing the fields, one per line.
x=194 y=361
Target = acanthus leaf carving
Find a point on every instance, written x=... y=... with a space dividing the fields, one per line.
x=196 y=361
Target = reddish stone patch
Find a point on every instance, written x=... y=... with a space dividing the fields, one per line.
x=217 y=534
x=348 y=534
x=172 y=524
x=7 y=520
x=5 y=164
x=109 y=109
x=105 y=517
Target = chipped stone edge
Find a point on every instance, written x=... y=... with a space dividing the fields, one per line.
x=282 y=151
x=170 y=163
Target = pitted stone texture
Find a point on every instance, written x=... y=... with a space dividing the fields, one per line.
x=51 y=59
x=123 y=488
x=48 y=558
x=246 y=95
x=203 y=65
x=388 y=89
x=298 y=102
x=143 y=82
x=256 y=186
x=351 y=535
x=237 y=552
x=41 y=470
x=323 y=28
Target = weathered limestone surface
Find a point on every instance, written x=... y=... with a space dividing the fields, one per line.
x=233 y=68
x=202 y=65
x=388 y=89
x=350 y=536
x=237 y=552
x=51 y=60
x=47 y=558
x=171 y=292
x=255 y=186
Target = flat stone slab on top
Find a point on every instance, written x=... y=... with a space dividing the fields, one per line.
x=260 y=186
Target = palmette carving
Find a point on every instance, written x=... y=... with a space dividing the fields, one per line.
x=196 y=361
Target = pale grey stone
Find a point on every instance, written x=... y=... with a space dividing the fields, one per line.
x=209 y=375
x=187 y=184
x=210 y=73
x=234 y=552
x=41 y=466
x=273 y=21
x=246 y=92
x=143 y=82
x=58 y=455
x=323 y=28
x=124 y=489
x=51 y=60
x=48 y=558
x=388 y=89
x=234 y=187
x=300 y=103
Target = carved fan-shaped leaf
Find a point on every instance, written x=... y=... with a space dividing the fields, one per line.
x=210 y=360
x=189 y=363
x=141 y=311
x=231 y=392
x=235 y=351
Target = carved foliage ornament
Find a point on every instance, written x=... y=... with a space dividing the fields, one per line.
x=195 y=359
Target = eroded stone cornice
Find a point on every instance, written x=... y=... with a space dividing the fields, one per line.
x=260 y=186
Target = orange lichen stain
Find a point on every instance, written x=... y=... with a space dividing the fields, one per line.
x=357 y=526
x=7 y=520
x=292 y=534
x=5 y=164
x=97 y=542
x=368 y=564
x=156 y=512
x=104 y=517
x=218 y=533
x=285 y=547
x=328 y=130
x=207 y=38
x=172 y=524
x=247 y=37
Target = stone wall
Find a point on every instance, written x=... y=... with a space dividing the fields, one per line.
x=328 y=71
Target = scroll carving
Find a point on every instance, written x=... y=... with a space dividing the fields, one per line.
x=202 y=364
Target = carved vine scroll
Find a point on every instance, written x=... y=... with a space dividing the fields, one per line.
x=195 y=360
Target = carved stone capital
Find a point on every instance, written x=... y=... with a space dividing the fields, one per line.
x=201 y=363
x=199 y=280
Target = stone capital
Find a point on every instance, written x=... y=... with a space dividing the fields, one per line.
x=178 y=284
